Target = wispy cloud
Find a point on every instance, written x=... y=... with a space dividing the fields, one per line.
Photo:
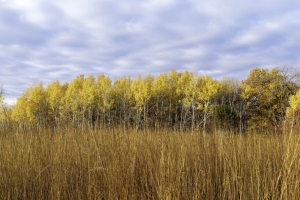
x=43 y=40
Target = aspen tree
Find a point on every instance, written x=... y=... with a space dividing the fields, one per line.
x=123 y=97
x=293 y=112
x=88 y=99
x=141 y=90
x=19 y=114
x=37 y=107
x=186 y=91
x=159 y=91
x=104 y=98
x=32 y=107
x=55 y=94
x=172 y=83
x=207 y=88
x=73 y=101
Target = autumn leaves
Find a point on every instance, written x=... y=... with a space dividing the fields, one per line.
x=176 y=100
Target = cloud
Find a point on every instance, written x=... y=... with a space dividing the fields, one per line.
x=43 y=40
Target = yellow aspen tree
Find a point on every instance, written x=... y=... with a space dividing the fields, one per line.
x=172 y=83
x=55 y=94
x=31 y=107
x=293 y=112
x=73 y=101
x=104 y=98
x=141 y=90
x=123 y=98
x=87 y=95
x=19 y=114
x=207 y=88
x=186 y=92
x=37 y=107
x=159 y=92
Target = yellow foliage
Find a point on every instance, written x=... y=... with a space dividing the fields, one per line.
x=206 y=89
x=104 y=92
x=141 y=90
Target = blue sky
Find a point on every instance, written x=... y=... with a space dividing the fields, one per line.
x=46 y=40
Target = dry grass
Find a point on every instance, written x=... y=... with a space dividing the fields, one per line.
x=139 y=165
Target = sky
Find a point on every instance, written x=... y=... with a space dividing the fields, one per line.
x=46 y=40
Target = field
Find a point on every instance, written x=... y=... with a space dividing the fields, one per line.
x=117 y=164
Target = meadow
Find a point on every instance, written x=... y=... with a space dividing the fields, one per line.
x=118 y=164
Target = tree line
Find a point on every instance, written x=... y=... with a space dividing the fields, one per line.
x=267 y=101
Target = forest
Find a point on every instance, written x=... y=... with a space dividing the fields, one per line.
x=267 y=101
x=174 y=136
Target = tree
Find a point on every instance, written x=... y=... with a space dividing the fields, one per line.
x=19 y=114
x=141 y=90
x=73 y=101
x=5 y=112
x=87 y=95
x=293 y=112
x=104 y=99
x=159 y=91
x=32 y=107
x=172 y=97
x=228 y=113
x=55 y=95
x=166 y=99
x=267 y=94
x=123 y=99
x=207 y=88
x=37 y=108
x=187 y=92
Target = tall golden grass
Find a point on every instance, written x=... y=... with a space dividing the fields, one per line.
x=116 y=164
